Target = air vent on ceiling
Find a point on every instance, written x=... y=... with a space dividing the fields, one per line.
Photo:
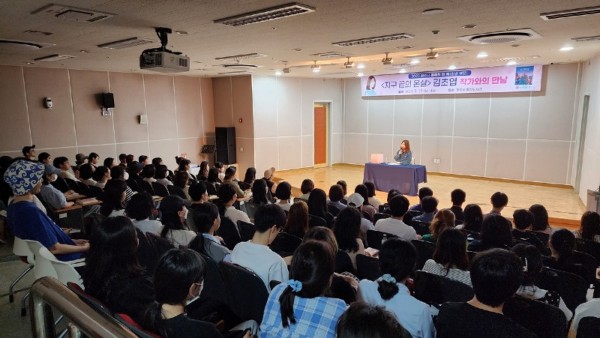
x=329 y=55
x=586 y=38
x=38 y=33
x=374 y=39
x=267 y=14
x=54 y=58
x=125 y=43
x=568 y=13
x=233 y=72
x=508 y=36
x=22 y=45
x=240 y=66
x=73 y=13
x=241 y=56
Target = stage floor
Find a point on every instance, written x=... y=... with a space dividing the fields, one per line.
x=563 y=204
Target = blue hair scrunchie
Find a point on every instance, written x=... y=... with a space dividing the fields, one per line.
x=296 y=285
x=387 y=278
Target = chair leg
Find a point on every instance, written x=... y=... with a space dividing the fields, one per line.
x=24 y=304
x=11 y=294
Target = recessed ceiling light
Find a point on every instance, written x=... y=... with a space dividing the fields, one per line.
x=402 y=71
x=360 y=66
x=360 y=74
x=316 y=70
x=433 y=11
x=511 y=63
x=278 y=73
x=482 y=55
x=181 y=32
x=83 y=51
x=566 y=48
x=452 y=67
x=414 y=61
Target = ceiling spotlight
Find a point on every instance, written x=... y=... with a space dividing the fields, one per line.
x=348 y=64
x=360 y=74
x=482 y=55
x=387 y=60
x=414 y=61
x=402 y=71
x=452 y=67
x=278 y=73
x=511 y=63
x=315 y=68
x=566 y=48
x=360 y=66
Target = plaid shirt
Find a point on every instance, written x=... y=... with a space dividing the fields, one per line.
x=315 y=317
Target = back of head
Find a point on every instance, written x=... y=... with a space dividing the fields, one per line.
x=59 y=161
x=473 y=218
x=362 y=320
x=442 y=220
x=117 y=172
x=134 y=168
x=283 y=191
x=259 y=191
x=540 y=217
x=393 y=193
x=140 y=206
x=99 y=173
x=344 y=186
x=142 y=159
x=169 y=209
x=429 y=204
x=563 y=242
x=250 y=175
x=204 y=216
x=317 y=202
x=267 y=216
x=149 y=171
x=307 y=186
x=531 y=260
x=398 y=205
x=196 y=191
x=155 y=161
x=226 y=192
x=230 y=172
x=496 y=275
x=499 y=200
x=458 y=196
x=424 y=192
x=590 y=225
x=181 y=179
x=397 y=259
x=363 y=191
x=129 y=158
x=322 y=234
x=347 y=229
x=450 y=249
x=522 y=219
x=161 y=172
x=86 y=171
x=213 y=175
x=336 y=193
x=310 y=275
x=297 y=220
x=496 y=231
x=109 y=162
x=370 y=188
x=122 y=157
x=183 y=163
x=113 y=196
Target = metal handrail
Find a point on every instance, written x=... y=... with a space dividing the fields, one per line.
x=49 y=291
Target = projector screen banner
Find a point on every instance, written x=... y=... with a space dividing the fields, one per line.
x=460 y=81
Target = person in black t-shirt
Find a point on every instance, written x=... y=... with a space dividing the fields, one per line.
x=496 y=275
x=523 y=220
x=458 y=197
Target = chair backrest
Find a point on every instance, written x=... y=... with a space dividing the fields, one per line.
x=435 y=290
x=175 y=190
x=94 y=303
x=543 y=237
x=61 y=184
x=84 y=189
x=238 y=280
x=571 y=287
x=132 y=325
x=379 y=216
x=246 y=230
x=42 y=267
x=585 y=265
x=21 y=249
x=147 y=187
x=590 y=247
x=376 y=238
x=367 y=267
x=73 y=185
x=589 y=327
x=422 y=228
x=134 y=185
x=96 y=192
x=424 y=252
x=540 y=318
x=410 y=214
x=317 y=221
x=65 y=272
x=285 y=244
x=160 y=189
x=229 y=232
x=333 y=210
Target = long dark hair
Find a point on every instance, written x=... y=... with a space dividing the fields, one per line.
x=112 y=197
x=347 y=229
x=473 y=218
x=317 y=203
x=312 y=265
x=259 y=192
x=297 y=220
x=181 y=178
x=112 y=255
x=563 y=242
x=540 y=217
x=590 y=225
x=169 y=209
x=175 y=273
x=203 y=173
x=532 y=262
x=213 y=175
x=451 y=250
x=204 y=216
x=396 y=258
x=250 y=175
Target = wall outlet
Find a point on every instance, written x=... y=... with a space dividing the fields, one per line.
x=436 y=161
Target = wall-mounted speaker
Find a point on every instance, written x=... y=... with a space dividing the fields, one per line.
x=108 y=100
x=225 y=138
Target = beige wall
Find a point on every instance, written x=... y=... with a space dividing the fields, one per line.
x=179 y=110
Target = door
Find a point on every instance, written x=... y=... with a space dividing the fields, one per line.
x=320 y=140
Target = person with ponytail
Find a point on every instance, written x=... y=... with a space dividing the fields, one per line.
x=397 y=260
x=562 y=245
x=297 y=308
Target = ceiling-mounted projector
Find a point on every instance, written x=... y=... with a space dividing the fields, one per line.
x=163 y=60
x=387 y=60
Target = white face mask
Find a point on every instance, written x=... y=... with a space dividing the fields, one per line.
x=126 y=176
x=53 y=177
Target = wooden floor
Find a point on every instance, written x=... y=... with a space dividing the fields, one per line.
x=563 y=204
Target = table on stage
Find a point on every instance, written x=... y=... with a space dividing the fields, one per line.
x=405 y=178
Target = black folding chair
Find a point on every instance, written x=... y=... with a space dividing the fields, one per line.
x=409 y=215
x=160 y=189
x=422 y=228
x=147 y=187
x=246 y=230
x=424 y=252
x=589 y=327
x=571 y=287
x=540 y=318
x=214 y=294
x=285 y=244
x=333 y=210
x=238 y=281
x=367 y=267
x=585 y=265
x=435 y=290
x=590 y=247
x=316 y=221
x=229 y=232
x=376 y=238
x=379 y=216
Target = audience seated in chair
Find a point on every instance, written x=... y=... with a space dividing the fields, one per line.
x=495 y=233
x=473 y=219
x=161 y=175
x=207 y=219
x=367 y=208
x=119 y=173
x=355 y=200
x=373 y=200
x=429 y=205
x=198 y=195
x=423 y=192
x=297 y=306
x=364 y=320
x=173 y=216
x=385 y=208
x=458 y=196
x=227 y=198
x=101 y=176
x=523 y=220
x=63 y=164
x=113 y=274
x=317 y=206
x=347 y=233
x=48 y=193
x=496 y=276
x=540 y=219
x=139 y=210
x=113 y=201
x=148 y=173
x=297 y=219
x=443 y=219
x=180 y=186
x=589 y=228
x=450 y=257
x=306 y=187
x=394 y=225
x=256 y=254
x=109 y=162
x=397 y=259
x=249 y=179
x=336 y=194
x=499 y=201
x=93 y=159
x=259 y=197
x=283 y=194
x=86 y=171
x=231 y=179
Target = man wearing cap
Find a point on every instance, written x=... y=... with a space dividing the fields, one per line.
x=355 y=200
x=29 y=152
x=394 y=225
x=28 y=222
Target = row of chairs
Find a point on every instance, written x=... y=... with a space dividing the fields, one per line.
x=66 y=184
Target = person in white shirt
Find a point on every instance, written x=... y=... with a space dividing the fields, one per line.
x=255 y=254
x=86 y=171
x=228 y=196
x=394 y=225
x=587 y=309
x=139 y=209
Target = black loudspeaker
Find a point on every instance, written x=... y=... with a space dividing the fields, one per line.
x=225 y=145
x=108 y=100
